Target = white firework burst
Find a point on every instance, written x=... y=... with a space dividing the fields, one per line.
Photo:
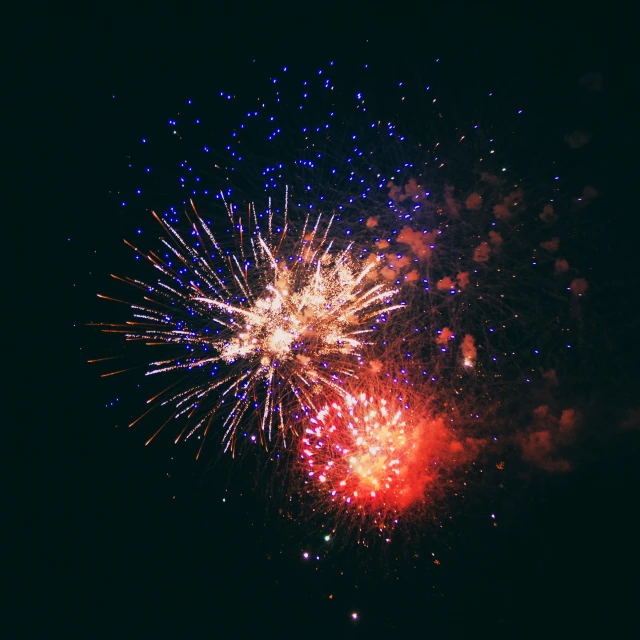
x=266 y=328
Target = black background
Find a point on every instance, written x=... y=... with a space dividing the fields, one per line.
x=103 y=548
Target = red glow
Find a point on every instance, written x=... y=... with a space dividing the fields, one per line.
x=371 y=453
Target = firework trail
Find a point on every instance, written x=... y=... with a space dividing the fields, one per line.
x=280 y=319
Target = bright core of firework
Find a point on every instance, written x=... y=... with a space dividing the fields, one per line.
x=273 y=323
x=363 y=451
x=307 y=312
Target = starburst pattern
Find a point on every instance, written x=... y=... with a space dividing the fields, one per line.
x=272 y=324
x=360 y=448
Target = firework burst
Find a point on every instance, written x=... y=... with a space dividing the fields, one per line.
x=268 y=327
x=362 y=449
x=373 y=458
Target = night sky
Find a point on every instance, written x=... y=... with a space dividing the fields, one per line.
x=116 y=538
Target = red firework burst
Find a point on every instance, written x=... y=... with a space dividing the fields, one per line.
x=371 y=452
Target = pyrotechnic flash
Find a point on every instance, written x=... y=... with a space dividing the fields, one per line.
x=367 y=452
x=265 y=328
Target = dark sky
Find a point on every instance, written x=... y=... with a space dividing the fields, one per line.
x=104 y=548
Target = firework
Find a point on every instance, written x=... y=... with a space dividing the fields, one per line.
x=362 y=450
x=373 y=458
x=266 y=327
x=287 y=329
